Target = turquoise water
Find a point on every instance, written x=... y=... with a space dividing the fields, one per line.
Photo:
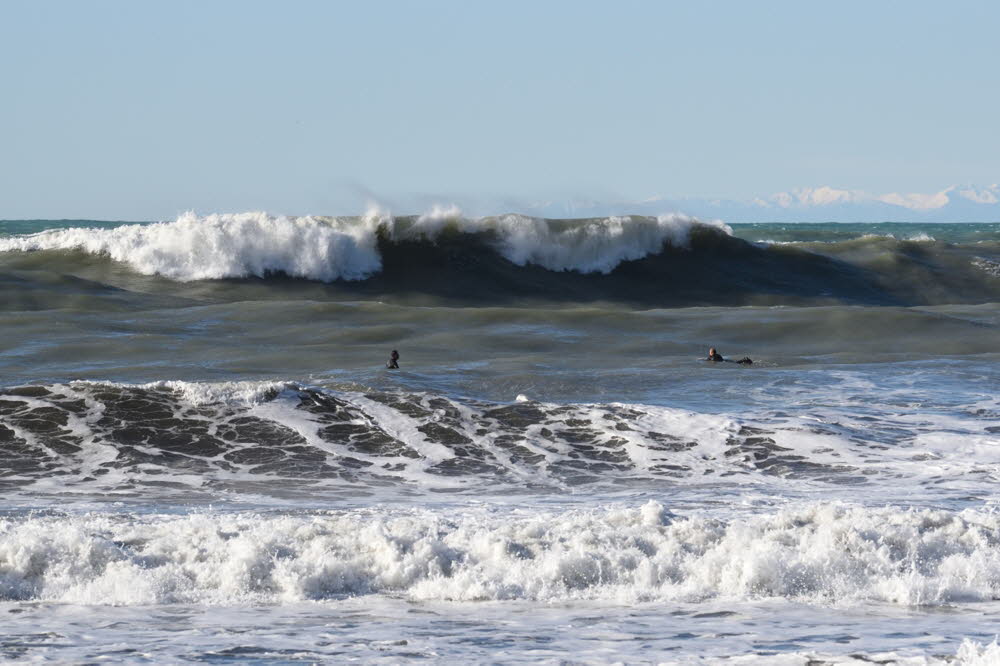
x=838 y=231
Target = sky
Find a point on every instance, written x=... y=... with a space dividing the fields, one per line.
x=142 y=110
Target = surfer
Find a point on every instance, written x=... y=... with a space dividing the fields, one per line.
x=716 y=357
x=393 y=362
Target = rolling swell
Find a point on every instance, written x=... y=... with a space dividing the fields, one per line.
x=652 y=262
x=710 y=268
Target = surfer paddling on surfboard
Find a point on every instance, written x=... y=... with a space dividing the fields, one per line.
x=716 y=357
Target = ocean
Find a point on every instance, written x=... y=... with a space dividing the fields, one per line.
x=203 y=457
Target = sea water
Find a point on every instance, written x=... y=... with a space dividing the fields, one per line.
x=203 y=457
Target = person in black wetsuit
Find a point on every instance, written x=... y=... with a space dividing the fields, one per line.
x=715 y=357
x=393 y=362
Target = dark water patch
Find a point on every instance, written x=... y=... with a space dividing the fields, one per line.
x=754 y=449
x=714 y=269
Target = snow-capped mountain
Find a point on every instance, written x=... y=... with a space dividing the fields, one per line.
x=820 y=204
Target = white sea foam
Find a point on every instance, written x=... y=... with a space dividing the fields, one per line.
x=916 y=238
x=425 y=441
x=921 y=237
x=226 y=246
x=974 y=653
x=545 y=454
x=822 y=553
x=593 y=247
x=327 y=249
x=969 y=653
x=246 y=393
x=990 y=266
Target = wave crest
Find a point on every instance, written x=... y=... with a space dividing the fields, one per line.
x=226 y=246
x=329 y=248
x=595 y=246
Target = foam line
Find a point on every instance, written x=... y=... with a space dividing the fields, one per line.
x=820 y=553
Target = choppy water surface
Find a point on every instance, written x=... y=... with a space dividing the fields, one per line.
x=203 y=458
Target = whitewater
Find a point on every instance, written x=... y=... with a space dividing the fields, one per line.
x=203 y=457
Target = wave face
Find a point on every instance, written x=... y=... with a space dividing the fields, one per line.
x=821 y=553
x=441 y=256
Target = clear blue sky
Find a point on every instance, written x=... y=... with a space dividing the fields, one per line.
x=140 y=110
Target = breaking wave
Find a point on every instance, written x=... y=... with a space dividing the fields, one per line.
x=822 y=553
x=330 y=248
x=664 y=261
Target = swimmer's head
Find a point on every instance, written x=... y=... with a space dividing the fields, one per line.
x=711 y=351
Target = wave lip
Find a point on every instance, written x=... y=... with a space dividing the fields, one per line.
x=329 y=248
x=595 y=246
x=226 y=246
x=822 y=553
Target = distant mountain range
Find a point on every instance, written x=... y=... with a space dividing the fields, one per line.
x=820 y=204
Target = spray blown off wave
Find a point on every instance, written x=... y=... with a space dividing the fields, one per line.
x=329 y=248
x=820 y=553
